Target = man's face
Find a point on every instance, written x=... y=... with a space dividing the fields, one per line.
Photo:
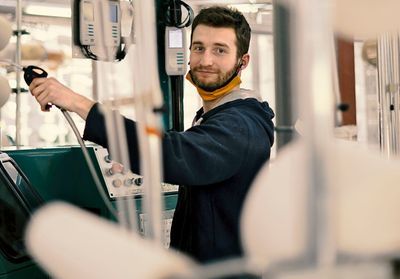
x=213 y=56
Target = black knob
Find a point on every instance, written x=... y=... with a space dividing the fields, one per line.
x=139 y=181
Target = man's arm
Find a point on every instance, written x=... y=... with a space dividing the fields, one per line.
x=204 y=154
x=50 y=90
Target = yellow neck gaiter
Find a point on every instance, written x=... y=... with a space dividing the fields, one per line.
x=210 y=96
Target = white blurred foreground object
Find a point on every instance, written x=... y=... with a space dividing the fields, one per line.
x=5 y=32
x=71 y=243
x=273 y=221
x=366 y=19
x=5 y=91
x=365 y=191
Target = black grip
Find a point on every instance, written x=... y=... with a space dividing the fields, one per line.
x=31 y=72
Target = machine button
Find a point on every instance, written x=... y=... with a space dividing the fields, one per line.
x=115 y=168
x=117 y=183
x=139 y=181
x=129 y=181
x=108 y=159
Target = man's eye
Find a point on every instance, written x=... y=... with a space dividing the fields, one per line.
x=197 y=48
x=220 y=51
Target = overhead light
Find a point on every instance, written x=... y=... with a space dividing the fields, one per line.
x=252 y=8
x=52 y=11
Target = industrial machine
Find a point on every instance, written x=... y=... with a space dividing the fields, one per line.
x=61 y=173
x=32 y=177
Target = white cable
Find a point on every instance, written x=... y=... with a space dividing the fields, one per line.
x=90 y=164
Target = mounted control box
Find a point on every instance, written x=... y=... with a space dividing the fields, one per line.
x=90 y=23
x=121 y=182
x=175 y=51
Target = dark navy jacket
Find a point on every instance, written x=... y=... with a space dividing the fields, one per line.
x=215 y=162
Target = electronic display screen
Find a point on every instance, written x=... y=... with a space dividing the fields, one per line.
x=88 y=12
x=113 y=13
x=175 y=38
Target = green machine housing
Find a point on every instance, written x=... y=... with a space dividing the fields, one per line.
x=62 y=174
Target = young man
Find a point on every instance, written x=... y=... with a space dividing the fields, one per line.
x=216 y=160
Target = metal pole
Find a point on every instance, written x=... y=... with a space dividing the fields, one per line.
x=380 y=92
x=18 y=13
x=313 y=81
x=394 y=94
x=396 y=103
x=284 y=99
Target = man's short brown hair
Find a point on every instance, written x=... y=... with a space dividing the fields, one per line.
x=217 y=16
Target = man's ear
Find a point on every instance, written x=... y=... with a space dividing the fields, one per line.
x=244 y=61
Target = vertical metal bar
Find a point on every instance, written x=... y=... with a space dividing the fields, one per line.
x=336 y=85
x=384 y=99
x=255 y=62
x=383 y=104
x=313 y=76
x=18 y=13
x=284 y=109
x=382 y=93
x=95 y=78
x=149 y=99
x=395 y=90
x=390 y=84
x=379 y=86
x=396 y=93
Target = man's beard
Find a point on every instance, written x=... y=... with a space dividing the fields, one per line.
x=221 y=81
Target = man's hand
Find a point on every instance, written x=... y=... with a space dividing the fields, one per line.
x=51 y=91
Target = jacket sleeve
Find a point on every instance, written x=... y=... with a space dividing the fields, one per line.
x=204 y=154
x=95 y=131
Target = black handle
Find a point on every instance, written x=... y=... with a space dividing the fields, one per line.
x=31 y=72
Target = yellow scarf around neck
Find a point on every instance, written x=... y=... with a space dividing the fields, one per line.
x=210 y=96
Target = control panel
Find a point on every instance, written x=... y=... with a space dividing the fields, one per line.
x=121 y=182
x=175 y=47
x=87 y=23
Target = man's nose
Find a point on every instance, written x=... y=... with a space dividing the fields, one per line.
x=206 y=59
